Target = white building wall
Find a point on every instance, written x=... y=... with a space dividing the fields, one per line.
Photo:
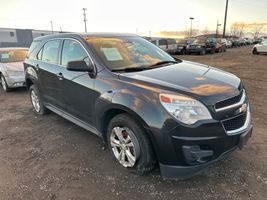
x=8 y=35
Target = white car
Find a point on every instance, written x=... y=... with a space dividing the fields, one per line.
x=11 y=67
x=166 y=44
x=260 y=48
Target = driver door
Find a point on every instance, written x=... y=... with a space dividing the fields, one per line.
x=78 y=87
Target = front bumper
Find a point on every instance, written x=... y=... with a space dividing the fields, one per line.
x=15 y=81
x=208 y=151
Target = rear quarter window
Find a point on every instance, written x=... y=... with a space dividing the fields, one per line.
x=32 y=48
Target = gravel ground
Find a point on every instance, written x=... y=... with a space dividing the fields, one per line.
x=47 y=157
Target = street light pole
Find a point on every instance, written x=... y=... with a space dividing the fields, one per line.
x=191 y=18
x=217 y=28
x=225 y=18
x=84 y=19
x=52 y=29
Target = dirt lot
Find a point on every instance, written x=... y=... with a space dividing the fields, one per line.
x=48 y=157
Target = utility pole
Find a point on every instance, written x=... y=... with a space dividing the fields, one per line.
x=84 y=19
x=52 y=29
x=225 y=18
x=191 y=18
x=217 y=28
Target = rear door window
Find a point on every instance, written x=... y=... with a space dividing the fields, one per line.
x=50 y=51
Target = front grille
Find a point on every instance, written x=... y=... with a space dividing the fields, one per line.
x=229 y=102
x=235 y=123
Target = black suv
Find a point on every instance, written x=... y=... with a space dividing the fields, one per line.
x=147 y=106
x=202 y=46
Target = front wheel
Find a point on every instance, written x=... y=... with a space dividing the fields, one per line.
x=4 y=84
x=130 y=145
x=36 y=100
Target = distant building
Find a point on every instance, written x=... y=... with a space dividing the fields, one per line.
x=10 y=37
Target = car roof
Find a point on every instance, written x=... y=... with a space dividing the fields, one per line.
x=65 y=35
x=13 y=48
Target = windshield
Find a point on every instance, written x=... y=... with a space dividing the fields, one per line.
x=127 y=52
x=181 y=41
x=199 y=41
x=13 y=56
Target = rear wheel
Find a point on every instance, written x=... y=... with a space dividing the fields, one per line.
x=130 y=145
x=37 y=102
x=4 y=84
x=255 y=51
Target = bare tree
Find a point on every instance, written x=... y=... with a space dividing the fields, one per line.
x=237 y=29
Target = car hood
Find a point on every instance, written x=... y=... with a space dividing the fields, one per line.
x=200 y=81
x=14 y=66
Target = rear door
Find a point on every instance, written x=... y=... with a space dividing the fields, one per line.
x=48 y=71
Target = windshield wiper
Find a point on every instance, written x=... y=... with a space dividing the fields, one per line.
x=136 y=69
x=130 y=69
x=162 y=63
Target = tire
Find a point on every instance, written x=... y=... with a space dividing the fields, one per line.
x=255 y=52
x=130 y=145
x=36 y=101
x=212 y=51
x=4 y=84
x=203 y=52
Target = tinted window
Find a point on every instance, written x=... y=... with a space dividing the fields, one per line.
x=50 y=51
x=32 y=47
x=73 y=51
x=162 y=42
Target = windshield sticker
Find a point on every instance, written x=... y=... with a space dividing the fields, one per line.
x=5 y=56
x=112 y=54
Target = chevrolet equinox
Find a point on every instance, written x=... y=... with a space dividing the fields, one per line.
x=150 y=108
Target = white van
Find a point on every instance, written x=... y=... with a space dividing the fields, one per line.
x=167 y=44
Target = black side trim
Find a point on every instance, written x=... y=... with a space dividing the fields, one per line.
x=74 y=120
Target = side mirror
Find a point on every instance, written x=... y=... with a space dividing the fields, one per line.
x=80 y=66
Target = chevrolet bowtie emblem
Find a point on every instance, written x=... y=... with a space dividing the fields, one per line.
x=243 y=108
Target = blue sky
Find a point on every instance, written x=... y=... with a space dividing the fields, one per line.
x=127 y=16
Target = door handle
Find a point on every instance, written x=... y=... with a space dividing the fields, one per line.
x=60 y=76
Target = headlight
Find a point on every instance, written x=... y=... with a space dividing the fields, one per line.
x=184 y=109
x=199 y=46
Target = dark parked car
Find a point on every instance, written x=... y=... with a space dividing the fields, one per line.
x=202 y=46
x=182 y=45
x=148 y=107
x=235 y=42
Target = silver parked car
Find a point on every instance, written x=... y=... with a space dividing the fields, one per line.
x=11 y=67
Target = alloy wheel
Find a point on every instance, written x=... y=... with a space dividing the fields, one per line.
x=125 y=146
x=35 y=101
x=3 y=82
